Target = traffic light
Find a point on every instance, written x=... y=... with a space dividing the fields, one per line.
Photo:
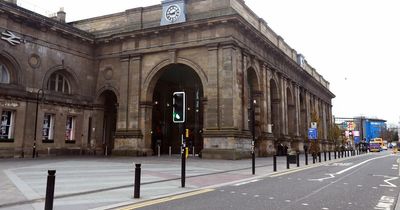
x=179 y=106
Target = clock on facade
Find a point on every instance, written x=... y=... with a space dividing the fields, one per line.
x=172 y=13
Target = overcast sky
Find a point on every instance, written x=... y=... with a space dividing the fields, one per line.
x=354 y=44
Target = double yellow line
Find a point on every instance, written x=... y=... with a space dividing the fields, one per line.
x=166 y=199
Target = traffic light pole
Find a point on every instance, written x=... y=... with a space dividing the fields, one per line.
x=253 y=131
x=183 y=155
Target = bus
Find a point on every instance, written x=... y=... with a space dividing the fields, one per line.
x=374 y=147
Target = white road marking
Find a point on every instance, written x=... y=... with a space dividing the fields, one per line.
x=340 y=164
x=256 y=196
x=248 y=182
x=304 y=204
x=325 y=208
x=233 y=192
x=322 y=179
x=387 y=181
x=385 y=203
x=287 y=201
x=345 y=183
x=366 y=161
x=359 y=185
x=374 y=187
x=244 y=193
x=271 y=198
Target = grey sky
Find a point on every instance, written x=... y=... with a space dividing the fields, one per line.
x=353 y=44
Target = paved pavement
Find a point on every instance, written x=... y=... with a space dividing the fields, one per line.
x=104 y=182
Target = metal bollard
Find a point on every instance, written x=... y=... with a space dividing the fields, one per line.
x=136 y=192
x=158 y=150
x=51 y=178
x=334 y=154
x=274 y=162
x=193 y=151
x=319 y=157
x=306 y=157
x=169 y=151
x=287 y=162
x=329 y=155
x=313 y=159
x=298 y=159
x=325 y=156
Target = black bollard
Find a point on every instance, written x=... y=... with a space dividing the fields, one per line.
x=334 y=154
x=329 y=156
x=306 y=157
x=287 y=162
x=325 y=156
x=136 y=192
x=298 y=159
x=319 y=157
x=51 y=178
x=274 y=159
x=313 y=159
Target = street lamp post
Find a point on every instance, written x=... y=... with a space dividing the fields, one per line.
x=253 y=132
x=40 y=94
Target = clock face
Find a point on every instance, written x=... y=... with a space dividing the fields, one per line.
x=172 y=13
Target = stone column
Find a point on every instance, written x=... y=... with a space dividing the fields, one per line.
x=245 y=92
x=134 y=91
x=324 y=117
x=263 y=99
x=122 y=120
x=297 y=108
x=308 y=108
x=129 y=137
x=211 y=115
x=227 y=94
x=283 y=107
x=268 y=94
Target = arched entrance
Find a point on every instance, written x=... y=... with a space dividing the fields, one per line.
x=165 y=133
x=108 y=101
x=253 y=101
x=291 y=112
x=303 y=116
x=274 y=108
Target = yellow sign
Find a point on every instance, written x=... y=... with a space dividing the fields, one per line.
x=187 y=133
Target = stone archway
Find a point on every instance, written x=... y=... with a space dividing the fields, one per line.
x=291 y=113
x=106 y=119
x=164 y=133
x=275 y=100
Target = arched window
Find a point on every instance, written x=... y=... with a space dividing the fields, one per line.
x=58 y=83
x=4 y=74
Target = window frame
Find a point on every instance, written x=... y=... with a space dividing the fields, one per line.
x=50 y=129
x=70 y=126
x=9 y=136
x=57 y=78
x=3 y=68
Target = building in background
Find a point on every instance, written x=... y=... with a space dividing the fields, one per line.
x=357 y=128
x=104 y=85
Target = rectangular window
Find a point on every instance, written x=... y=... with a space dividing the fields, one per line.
x=48 y=127
x=70 y=129
x=7 y=125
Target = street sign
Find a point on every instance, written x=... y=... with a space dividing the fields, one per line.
x=313 y=124
x=312 y=133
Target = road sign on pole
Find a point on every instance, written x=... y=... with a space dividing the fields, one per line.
x=312 y=133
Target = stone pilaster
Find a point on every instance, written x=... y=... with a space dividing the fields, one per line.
x=297 y=108
x=211 y=113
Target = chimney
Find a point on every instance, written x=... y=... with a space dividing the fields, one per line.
x=11 y=1
x=61 y=15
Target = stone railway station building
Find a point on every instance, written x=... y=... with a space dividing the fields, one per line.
x=104 y=85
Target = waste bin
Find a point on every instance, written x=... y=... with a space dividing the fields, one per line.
x=292 y=158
